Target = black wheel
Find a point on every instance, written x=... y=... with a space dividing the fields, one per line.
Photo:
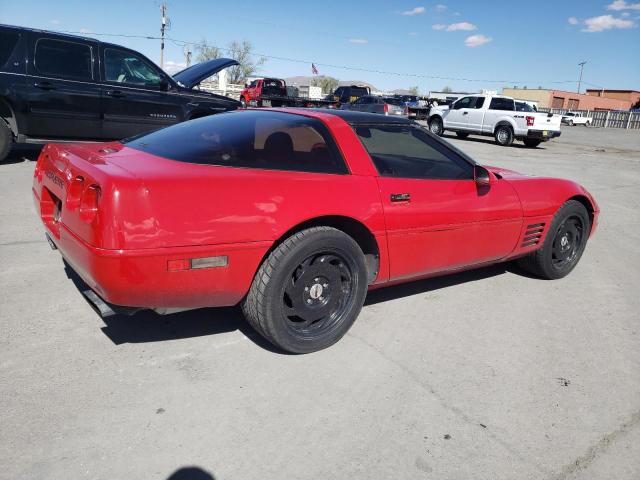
x=564 y=244
x=309 y=290
x=462 y=134
x=435 y=126
x=243 y=102
x=504 y=135
x=6 y=140
x=587 y=124
x=571 y=123
x=532 y=142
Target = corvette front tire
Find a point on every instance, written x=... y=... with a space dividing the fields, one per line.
x=564 y=244
x=309 y=290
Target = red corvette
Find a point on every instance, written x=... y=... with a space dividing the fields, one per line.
x=294 y=214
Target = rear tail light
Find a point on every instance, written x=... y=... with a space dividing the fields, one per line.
x=386 y=109
x=530 y=121
x=89 y=203
x=75 y=192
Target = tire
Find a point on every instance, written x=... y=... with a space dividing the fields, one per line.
x=570 y=123
x=243 y=102
x=462 y=134
x=565 y=242
x=436 y=127
x=504 y=135
x=531 y=142
x=587 y=124
x=6 y=140
x=309 y=290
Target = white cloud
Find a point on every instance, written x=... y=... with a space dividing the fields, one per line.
x=413 y=34
x=55 y=21
x=466 y=26
x=476 y=40
x=572 y=21
x=414 y=11
x=605 y=22
x=439 y=26
x=358 y=41
x=441 y=8
x=622 y=5
x=626 y=14
x=85 y=30
x=172 y=67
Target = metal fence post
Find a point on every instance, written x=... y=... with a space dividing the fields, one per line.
x=628 y=120
x=606 y=119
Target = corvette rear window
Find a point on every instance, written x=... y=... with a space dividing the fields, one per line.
x=251 y=139
x=405 y=151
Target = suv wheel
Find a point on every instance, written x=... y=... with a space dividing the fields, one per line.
x=504 y=135
x=309 y=291
x=6 y=140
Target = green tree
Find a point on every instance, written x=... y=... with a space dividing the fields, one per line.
x=249 y=66
x=327 y=84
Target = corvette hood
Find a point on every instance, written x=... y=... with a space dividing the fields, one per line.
x=193 y=75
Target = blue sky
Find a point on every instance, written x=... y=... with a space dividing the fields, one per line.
x=492 y=43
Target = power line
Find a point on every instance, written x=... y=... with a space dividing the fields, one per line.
x=179 y=42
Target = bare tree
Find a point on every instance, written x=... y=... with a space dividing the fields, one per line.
x=446 y=89
x=414 y=90
x=327 y=84
x=207 y=52
x=243 y=53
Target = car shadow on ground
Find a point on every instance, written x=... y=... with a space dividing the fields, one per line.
x=146 y=326
x=22 y=153
x=490 y=140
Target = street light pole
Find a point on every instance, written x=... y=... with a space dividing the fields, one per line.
x=581 y=68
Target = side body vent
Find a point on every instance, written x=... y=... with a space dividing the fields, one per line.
x=533 y=234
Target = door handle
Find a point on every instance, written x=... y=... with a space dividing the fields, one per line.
x=116 y=94
x=400 y=197
x=44 y=85
x=465 y=113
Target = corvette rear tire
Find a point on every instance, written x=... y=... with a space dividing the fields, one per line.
x=436 y=127
x=504 y=135
x=309 y=290
x=462 y=134
x=6 y=140
x=564 y=244
x=531 y=142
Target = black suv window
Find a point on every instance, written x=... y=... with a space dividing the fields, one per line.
x=500 y=103
x=60 y=58
x=250 y=139
x=8 y=41
x=406 y=151
x=121 y=66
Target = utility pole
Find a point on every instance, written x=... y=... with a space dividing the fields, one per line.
x=163 y=9
x=187 y=54
x=581 y=68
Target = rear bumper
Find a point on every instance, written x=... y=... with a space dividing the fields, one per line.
x=543 y=135
x=141 y=278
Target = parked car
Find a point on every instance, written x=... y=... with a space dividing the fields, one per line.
x=497 y=116
x=576 y=118
x=350 y=93
x=274 y=92
x=55 y=86
x=381 y=105
x=294 y=214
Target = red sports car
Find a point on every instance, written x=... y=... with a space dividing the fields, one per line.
x=294 y=214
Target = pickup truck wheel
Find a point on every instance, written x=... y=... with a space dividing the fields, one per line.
x=531 y=142
x=564 y=244
x=587 y=124
x=6 y=140
x=309 y=290
x=436 y=127
x=504 y=135
x=462 y=134
x=570 y=123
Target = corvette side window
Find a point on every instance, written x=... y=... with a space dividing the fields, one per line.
x=408 y=152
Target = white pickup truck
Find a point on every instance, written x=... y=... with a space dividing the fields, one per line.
x=494 y=115
x=576 y=118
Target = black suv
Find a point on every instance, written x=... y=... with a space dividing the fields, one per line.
x=350 y=93
x=63 y=87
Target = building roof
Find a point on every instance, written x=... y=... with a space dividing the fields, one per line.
x=611 y=90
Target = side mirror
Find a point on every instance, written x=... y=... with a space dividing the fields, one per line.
x=164 y=85
x=481 y=176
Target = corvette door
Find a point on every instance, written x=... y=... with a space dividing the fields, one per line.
x=437 y=218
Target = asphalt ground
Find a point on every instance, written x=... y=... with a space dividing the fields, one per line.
x=489 y=374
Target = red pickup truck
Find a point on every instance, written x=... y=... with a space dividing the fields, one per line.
x=272 y=92
x=294 y=213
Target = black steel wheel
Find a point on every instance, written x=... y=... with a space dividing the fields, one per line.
x=309 y=290
x=564 y=244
